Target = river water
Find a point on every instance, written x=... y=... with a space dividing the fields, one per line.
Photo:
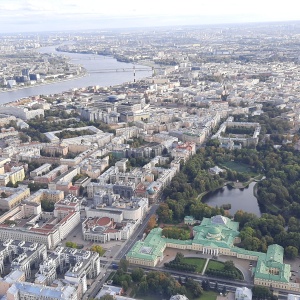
x=240 y=199
x=92 y=63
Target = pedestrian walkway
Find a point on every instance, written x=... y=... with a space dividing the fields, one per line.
x=205 y=266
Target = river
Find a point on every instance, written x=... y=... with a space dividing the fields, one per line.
x=92 y=63
x=240 y=199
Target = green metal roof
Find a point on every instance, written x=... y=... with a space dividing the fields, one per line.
x=217 y=232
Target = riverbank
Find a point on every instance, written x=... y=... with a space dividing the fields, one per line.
x=44 y=83
x=146 y=63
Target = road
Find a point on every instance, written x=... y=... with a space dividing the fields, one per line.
x=125 y=248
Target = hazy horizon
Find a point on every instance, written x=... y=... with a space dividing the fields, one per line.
x=64 y=15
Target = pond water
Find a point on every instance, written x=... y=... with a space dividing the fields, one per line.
x=240 y=199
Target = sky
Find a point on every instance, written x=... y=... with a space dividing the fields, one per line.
x=60 y=15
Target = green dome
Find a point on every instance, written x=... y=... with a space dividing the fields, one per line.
x=214 y=231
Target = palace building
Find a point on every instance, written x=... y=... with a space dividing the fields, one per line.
x=217 y=236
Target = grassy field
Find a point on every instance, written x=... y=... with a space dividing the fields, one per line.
x=215 y=265
x=208 y=295
x=238 y=167
x=218 y=265
x=199 y=262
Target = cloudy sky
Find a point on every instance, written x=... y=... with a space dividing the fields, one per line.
x=42 y=15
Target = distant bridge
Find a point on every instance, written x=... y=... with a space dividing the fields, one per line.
x=121 y=70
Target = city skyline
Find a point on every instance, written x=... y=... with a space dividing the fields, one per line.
x=34 y=15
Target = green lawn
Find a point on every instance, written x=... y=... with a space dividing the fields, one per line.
x=239 y=167
x=218 y=265
x=215 y=265
x=208 y=295
x=199 y=262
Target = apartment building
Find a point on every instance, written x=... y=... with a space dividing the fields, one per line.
x=47 y=178
x=43 y=169
x=13 y=197
x=23 y=256
x=134 y=209
x=56 y=150
x=17 y=174
x=27 y=222
x=46 y=194
x=7 y=281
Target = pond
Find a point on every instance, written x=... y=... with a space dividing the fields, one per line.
x=240 y=199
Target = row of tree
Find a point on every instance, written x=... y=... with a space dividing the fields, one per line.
x=176 y=233
x=154 y=284
x=178 y=264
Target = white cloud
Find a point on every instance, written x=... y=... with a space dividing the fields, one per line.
x=23 y=11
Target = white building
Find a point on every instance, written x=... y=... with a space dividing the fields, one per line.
x=243 y=294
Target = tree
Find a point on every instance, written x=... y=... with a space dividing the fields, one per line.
x=164 y=213
x=124 y=264
x=10 y=184
x=229 y=265
x=179 y=257
x=194 y=287
x=224 y=290
x=23 y=137
x=261 y=292
x=206 y=285
x=98 y=249
x=47 y=205
x=71 y=245
x=216 y=288
x=125 y=285
x=151 y=223
x=291 y=252
x=143 y=288
x=137 y=274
